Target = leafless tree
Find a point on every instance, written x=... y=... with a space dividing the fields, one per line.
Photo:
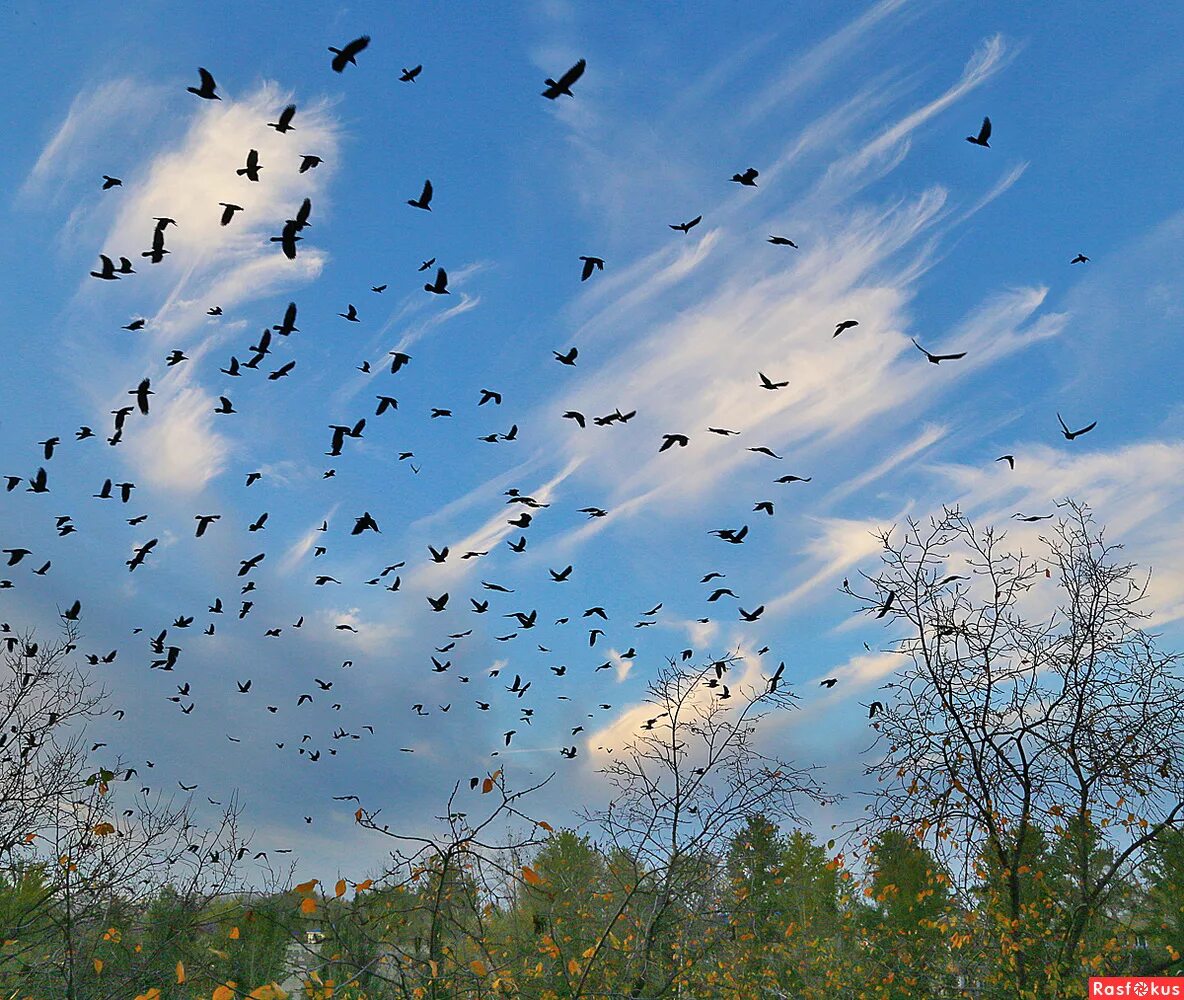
x=79 y=848
x=45 y=703
x=682 y=783
x=1031 y=700
x=432 y=905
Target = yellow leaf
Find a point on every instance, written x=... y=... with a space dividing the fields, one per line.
x=305 y=887
x=487 y=786
x=363 y=885
x=478 y=967
x=225 y=992
x=233 y=935
x=103 y=829
x=531 y=876
x=358 y=815
x=180 y=973
x=435 y=967
x=308 y=905
x=573 y=967
x=340 y=888
x=98 y=966
x=546 y=826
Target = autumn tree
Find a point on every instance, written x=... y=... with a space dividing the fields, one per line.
x=681 y=786
x=1031 y=696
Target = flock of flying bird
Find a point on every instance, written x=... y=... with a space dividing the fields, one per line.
x=164 y=643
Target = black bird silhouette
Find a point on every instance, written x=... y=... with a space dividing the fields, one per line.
x=670 y=440
x=107 y=272
x=767 y=383
x=38 y=483
x=409 y=75
x=251 y=170
x=1009 y=459
x=984 y=133
x=782 y=241
x=288 y=325
x=1070 y=435
x=845 y=325
x=440 y=286
x=140 y=554
x=348 y=55
x=748 y=178
x=157 y=251
x=288 y=238
x=563 y=84
x=350 y=314
x=776 y=678
x=568 y=359
x=874 y=708
x=207 y=88
x=110 y=182
x=142 y=392
x=203 y=522
x=1080 y=259
x=309 y=162
x=439 y=603
x=686 y=227
x=285 y=122
x=590 y=264
x=424 y=200
x=936 y=359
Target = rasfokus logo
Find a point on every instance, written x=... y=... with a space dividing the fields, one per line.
x=1137 y=986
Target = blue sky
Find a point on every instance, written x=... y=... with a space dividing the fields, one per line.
x=855 y=118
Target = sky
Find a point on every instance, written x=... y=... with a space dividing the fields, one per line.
x=855 y=118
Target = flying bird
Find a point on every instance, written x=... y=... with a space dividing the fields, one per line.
x=409 y=75
x=252 y=168
x=207 y=88
x=686 y=227
x=591 y=264
x=984 y=133
x=936 y=359
x=285 y=122
x=440 y=285
x=424 y=200
x=563 y=84
x=748 y=178
x=1070 y=435
x=348 y=55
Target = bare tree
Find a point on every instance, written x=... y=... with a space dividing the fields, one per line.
x=45 y=703
x=1031 y=701
x=76 y=856
x=427 y=924
x=689 y=777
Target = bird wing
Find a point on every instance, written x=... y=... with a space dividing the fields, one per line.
x=573 y=74
x=356 y=46
x=207 y=79
x=427 y=192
